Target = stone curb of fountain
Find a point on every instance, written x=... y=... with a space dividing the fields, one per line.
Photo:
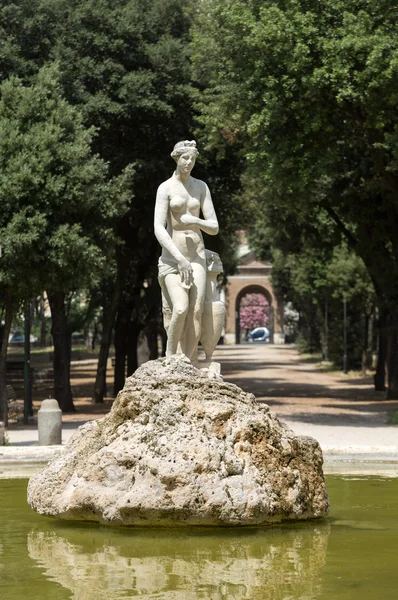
x=362 y=460
x=24 y=461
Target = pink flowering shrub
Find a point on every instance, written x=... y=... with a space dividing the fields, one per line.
x=254 y=310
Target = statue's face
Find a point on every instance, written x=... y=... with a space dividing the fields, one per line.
x=186 y=162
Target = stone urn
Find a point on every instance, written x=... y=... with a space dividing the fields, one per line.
x=213 y=318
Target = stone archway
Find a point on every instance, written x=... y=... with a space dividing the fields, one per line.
x=253 y=289
x=253 y=275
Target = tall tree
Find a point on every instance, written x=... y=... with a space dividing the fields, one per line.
x=58 y=206
x=308 y=87
x=126 y=64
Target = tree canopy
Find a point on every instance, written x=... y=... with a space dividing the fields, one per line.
x=58 y=203
x=307 y=89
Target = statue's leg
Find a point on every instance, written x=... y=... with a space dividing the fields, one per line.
x=166 y=308
x=178 y=299
x=195 y=310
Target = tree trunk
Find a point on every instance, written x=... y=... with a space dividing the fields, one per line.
x=132 y=344
x=151 y=333
x=392 y=391
x=380 y=375
x=152 y=337
x=3 y=359
x=365 y=346
x=325 y=332
x=62 y=351
x=95 y=334
x=163 y=336
x=108 y=322
x=120 y=351
x=43 y=323
x=154 y=320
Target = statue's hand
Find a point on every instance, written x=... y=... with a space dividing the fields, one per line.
x=189 y=219
x=185 y=270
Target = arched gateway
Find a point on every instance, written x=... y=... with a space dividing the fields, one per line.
x=253 y=277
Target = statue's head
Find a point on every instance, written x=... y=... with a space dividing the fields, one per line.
x=184 y=147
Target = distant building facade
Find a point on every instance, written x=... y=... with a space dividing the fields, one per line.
x=252 y=277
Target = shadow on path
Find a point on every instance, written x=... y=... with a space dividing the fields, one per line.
x=299 y=391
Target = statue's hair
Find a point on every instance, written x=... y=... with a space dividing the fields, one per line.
x=183 y=147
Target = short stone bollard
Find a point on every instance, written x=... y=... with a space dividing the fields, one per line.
x=50 y=423
x=2 y=433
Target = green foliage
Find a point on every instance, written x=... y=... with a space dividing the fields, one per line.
x=348 y=278
x=318 y=283
x=308 y=89
x=58 y=205
x=27 y=34
x=316 y=274
x=306 y=92
x=125 y=65
x=392 y=417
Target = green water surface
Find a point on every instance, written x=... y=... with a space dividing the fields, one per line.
x=351 y=555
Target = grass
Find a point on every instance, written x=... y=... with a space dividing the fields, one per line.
x=37 y=351
x=392 y=417
x=42 y=357
x=327 y=366
x=311 y=358
x=316 y=359
x=331 y=367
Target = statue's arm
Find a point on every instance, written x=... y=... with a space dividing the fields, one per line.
x=161 y=233
x=210 y=223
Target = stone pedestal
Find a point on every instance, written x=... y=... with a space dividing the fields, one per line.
x=49 y=420
x=181 y=448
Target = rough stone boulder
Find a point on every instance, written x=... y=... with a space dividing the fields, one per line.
x=182 y=448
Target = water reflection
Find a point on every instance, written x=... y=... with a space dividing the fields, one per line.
x=274 y=564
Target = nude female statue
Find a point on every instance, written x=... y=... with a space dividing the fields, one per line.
x=182 y=266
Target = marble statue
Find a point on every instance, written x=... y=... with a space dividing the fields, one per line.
x=192 y=311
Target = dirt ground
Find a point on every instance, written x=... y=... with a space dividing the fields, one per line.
x=83 y=371
x=299 y=390
x=295 y=389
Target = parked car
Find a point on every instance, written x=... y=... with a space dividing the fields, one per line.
x=19 y=338
x=78 y=339
x=259 y=334
x=16 y=338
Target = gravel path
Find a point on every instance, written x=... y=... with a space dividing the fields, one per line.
x=341 y=411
